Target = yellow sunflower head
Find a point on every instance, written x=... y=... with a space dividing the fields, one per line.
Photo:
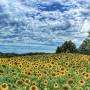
x=81 y=82
x=33 y=88
x=4 y=86
x=56 y=85
x=65 y=87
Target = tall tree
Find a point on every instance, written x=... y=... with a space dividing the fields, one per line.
x=67 y=46
x=89 y=34
x=58 y=49
x=85 y=46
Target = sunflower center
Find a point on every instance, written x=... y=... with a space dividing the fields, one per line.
x=4 y=86
x=33 y=88
x=19 y=82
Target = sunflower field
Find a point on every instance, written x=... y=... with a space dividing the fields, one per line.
x=65 y=71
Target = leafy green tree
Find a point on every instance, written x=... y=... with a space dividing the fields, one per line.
x=58 y=49
x=67 y=46
x=89 y=34
x=85 y=46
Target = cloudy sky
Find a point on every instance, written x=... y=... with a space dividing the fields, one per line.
x=42 y=25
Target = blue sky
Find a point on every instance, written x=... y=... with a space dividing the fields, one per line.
x=42 y=25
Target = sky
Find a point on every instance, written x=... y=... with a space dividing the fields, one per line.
x=42 y=25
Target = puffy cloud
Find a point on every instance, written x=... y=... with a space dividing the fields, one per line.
x=45 y=23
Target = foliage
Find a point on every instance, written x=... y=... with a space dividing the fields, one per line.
x=67 y=46
x=85 y=46
x=8 y=55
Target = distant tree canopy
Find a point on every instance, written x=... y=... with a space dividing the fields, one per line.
x=8 y=55
x=89 y=34
x=85 y=46
x=68 y=46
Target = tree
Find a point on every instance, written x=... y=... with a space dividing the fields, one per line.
x=89 y=34
x=85 y=46
x=58 y=49
x=67 y=46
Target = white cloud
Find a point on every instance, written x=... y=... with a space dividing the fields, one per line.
x=33 y=25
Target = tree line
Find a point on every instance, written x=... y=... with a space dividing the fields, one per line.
x=8 y=55
x=70 y=47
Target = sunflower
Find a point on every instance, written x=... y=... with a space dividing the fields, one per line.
x=43 y=65
x=60 y=66
x=4 y=66
x=42 y=68
x=56 y=64
x=77 y=66
x=53 y=74
x=28 y=74
x=4 y=86
x=66 y=63
x=70 y=82
x=28 y=66
x=28 y=62
x=87 y=76
x=82 y=65
x=26 y=81
x=1 y=71
x=75 y=86
x=50 y=66
x=81 y=82
x=45 y=82
x=50 y=59
x=25 y=72
x=33 y=88
x=73 y=64
x=68 y=74
x=10 y=66
x=56 y=85
x=87 y=88
x=84 y=73
x=80 y=88
x=20 y=82
x=20 y=66
x=40 y=61
x=15 y=63
x=33 y=83
x=65 y=87
x=67 y=70
x=36 y=66
x=23 y=79
x=77 y=73
x=45 y=72
x=62 y=73
x=22 y=72
x=38 y=72
x=52 y=62
x=62 y=69
x=32 y=64
x=57 y=73
x=84 y=68
x=31 y=70
x=48 y=74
